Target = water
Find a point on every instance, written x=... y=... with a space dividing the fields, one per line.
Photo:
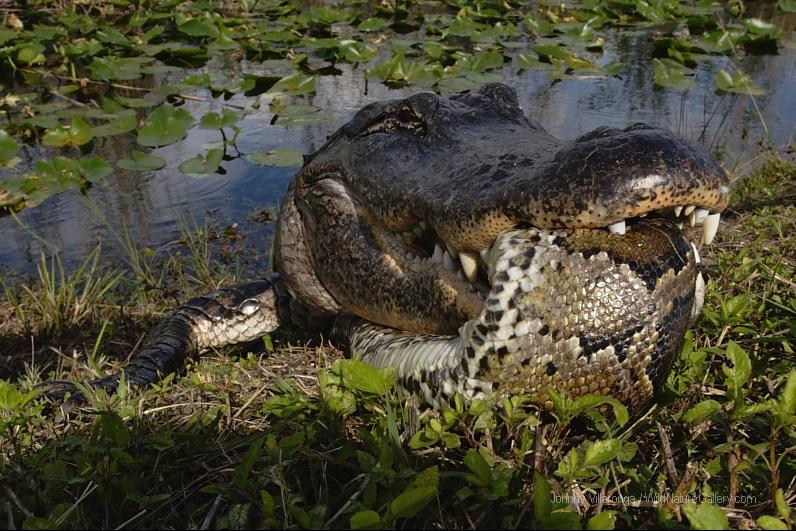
x=155 y=206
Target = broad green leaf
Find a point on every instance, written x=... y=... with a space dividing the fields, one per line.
x=701 y=411
x=601 y=452
x=739 y=83
x=8 y=147
x=705 y=516
x=117 y=126
x=561 y=519
x=198 y=28
x=164 y=126
x=551 y=50
x=372 y=24
x=365 y=520
x=364 y=377
x=281 y=157
x=411 y=501
x=30 y=55
x=603 y=520
x=141 y=161
x=213 y=120
x=762 y=29
x=788 y=6
x=670 y=76
x=294 y=84
x=770 y=522
x=542 y=497
x=77 y=134
x=782 y=504
x=481 y=473
x=787 y=398
x=203 y=164
x=738 y=374
x=94 y=168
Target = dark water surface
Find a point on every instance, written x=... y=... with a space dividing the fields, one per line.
x=155 y=206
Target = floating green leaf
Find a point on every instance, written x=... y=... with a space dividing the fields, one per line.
x=119 y=125
x=203 y=164
x=282 y=157
x=141 y=161
x=213 y=120
x=78 y=133
x=737 y=82
x=8 y=147
x=294 y=84
x=671 y=75
x=164 y=126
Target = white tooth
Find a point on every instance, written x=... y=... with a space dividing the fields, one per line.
x=696 y=253
x=701 y=214
x=617 y=228
x=689 y=209
x=692 y=219
x=680 y=226
x=437 y=257
x=469 y=262
x=460 y=276
x=699 y=296
x=448 y=263
x=644 y=215
x=677 y=210
x=485 y=254
x=710 y=227
x=418 y=230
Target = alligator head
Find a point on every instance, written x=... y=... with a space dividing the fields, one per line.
x=395 y=220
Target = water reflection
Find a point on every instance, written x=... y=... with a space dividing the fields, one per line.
x=151 y=205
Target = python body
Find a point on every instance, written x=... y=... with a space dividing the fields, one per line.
x=457 y=241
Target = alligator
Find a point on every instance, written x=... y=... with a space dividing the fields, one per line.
x=454 y=239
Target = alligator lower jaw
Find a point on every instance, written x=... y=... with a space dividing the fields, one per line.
x=424 y=249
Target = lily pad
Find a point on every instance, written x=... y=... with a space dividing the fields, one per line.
x=294 y=84
x=122 y=124
x=203 y=164
x=165 y=126
x=737 y=82
x=282 y=157
x=8 y=147
x=141 y=161
x=78 y=133
x=213 y=120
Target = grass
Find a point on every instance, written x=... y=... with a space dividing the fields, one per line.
x=295 y=437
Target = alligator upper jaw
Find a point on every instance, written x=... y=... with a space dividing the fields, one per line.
x=423 y=248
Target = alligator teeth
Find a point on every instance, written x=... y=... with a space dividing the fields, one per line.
x=709 y=228
x=448 y=263
x=469 y=262
x=696 y=253
x=677 y=210
x=437 y=257
x=418 y=230
x=701 y=214
x=680 y=226
x=617 y=228
x=689 y=209
x=692 y=219
x=485 y=254
x=699 y=296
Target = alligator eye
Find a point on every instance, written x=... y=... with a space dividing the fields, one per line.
x=393 y=120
